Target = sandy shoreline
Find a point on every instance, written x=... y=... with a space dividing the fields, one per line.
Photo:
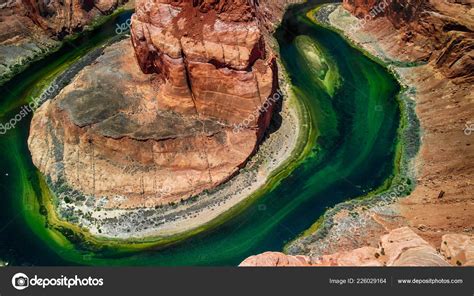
x=359 y=222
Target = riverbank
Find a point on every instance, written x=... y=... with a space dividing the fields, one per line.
x=276 y=156
x=18 y=54
x=362 y=222
x=350 y=150
x=29 y=209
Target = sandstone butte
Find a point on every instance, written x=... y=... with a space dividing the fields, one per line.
x=152 y=121
x=400 y=247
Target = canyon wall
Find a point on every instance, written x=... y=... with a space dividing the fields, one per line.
x=400 y=247
x=430 y=45
x=210 y=58
x=174 y=111
x=440 y=31
x=63 y=17
x=29 y=29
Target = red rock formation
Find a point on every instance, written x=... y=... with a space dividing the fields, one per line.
x=29 y=29
x=360 y=8
x=443 y=30
x=65 y=17
x=275 y=259
x=210 y=57
x=156 y=123
x=400 y=247
x=458 y=249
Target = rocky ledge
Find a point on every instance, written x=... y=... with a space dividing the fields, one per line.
x=437 y=31
x=176 y=114
x=29 y=29
x=400 y=247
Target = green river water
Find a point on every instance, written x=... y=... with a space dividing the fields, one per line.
x=351 y=128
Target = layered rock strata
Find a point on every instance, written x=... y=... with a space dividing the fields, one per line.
x=400 y=247
x=210 y=58
x=442 y=201
x=60 y=18
x=177 y=113
x=29 y=29
x=429 y=45
x=435 y=31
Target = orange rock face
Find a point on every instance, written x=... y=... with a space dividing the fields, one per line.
x=442 y=30
x=31 y=28
x=360 y=8
x=458 y=249
x=400 y=247
x=276 y=259
x=69 y=16
x=162 y=118
x=210 y=58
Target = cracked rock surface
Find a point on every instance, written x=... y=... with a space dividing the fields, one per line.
x=153 y=121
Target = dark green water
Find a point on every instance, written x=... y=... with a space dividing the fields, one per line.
x=353 y=155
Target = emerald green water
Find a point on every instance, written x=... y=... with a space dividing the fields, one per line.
x=353 y=132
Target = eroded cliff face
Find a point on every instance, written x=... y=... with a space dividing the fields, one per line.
x=360 y=8
x=402 y=32
x=56 y=17
x=62 y=17
x=440 y=31
x=399 y=247
x=31 y=28
x=210 y=58
x=173 y=113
